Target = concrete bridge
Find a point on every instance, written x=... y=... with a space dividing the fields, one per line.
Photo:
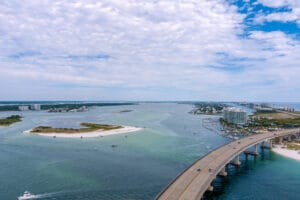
x=193 y=182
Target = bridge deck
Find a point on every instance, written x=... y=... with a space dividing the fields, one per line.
x=195 y=180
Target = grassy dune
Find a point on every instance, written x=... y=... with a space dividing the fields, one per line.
x=293 y=146
x=277 y=115
x=278 y=119
x=88 y=127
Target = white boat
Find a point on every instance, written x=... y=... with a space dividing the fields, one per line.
x=26 y=196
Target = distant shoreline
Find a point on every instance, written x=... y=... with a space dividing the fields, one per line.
x=92 y=134
x=64 y=106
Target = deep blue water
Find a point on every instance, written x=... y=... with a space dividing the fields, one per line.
x=141 y=165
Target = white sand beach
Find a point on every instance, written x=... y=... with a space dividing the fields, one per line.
x=99 y=133
x=286 y=152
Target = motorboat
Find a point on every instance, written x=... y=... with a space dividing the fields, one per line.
x=26 y=195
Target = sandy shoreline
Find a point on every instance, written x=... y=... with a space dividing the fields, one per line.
x=125 y=129
x=293 y=154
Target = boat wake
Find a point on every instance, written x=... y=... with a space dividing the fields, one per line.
x=52 y=195
x=28 y=196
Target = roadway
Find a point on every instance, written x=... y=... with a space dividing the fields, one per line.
x=192 y=183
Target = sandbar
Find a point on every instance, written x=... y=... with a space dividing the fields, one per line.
x=293 y=154
x=98 y=133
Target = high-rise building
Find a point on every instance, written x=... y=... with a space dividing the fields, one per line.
x=23 y=108
x=35 y=107
x=235 y=116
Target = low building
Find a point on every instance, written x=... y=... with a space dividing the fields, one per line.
x=23 y=108
x=35 y=107
x=235 y=116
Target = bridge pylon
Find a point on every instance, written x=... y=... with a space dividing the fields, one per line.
x=236 y=161
x=254 y=152
x=264 y=146
x=210 y=188
x=223 y=172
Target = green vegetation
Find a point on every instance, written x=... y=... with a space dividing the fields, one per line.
x=265 y=111
x=275 y=119
x=275 y=114
x=262 y=123
x=89 y=127
x=275 y=123
x=208 y=108
x=294 y=145
x=265 y=120
x=67 y=106
x=233 y=127
x=71 y=106
x=124 y=111
x=9 y=108
x=225 y=123
x=10 y=120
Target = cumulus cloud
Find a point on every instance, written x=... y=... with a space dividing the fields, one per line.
x=173 y=49
x=276 y=4
x=293 y=13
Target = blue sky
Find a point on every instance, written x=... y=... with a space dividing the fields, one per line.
x=228 y=50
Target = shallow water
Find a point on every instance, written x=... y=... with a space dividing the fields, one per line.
x=138 y=168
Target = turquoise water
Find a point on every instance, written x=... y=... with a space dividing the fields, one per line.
x=138 y=168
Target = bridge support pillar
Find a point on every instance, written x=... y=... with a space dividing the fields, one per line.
x=264 y=146
x=253 y=153
x=236 y=161
x=280 y=140
x=210 y=188
x=289 y=138
x=223 y=172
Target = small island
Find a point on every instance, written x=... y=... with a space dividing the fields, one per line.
x=89 y=127
x=125 y=111
x=88 y=130
x=10 y=120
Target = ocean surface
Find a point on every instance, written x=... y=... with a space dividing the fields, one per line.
x=141 y=165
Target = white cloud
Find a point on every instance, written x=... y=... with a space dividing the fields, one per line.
x=276 y=3
x=287 y=16
x=182 y=46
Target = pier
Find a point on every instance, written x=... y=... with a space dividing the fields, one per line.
x=194 y=181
